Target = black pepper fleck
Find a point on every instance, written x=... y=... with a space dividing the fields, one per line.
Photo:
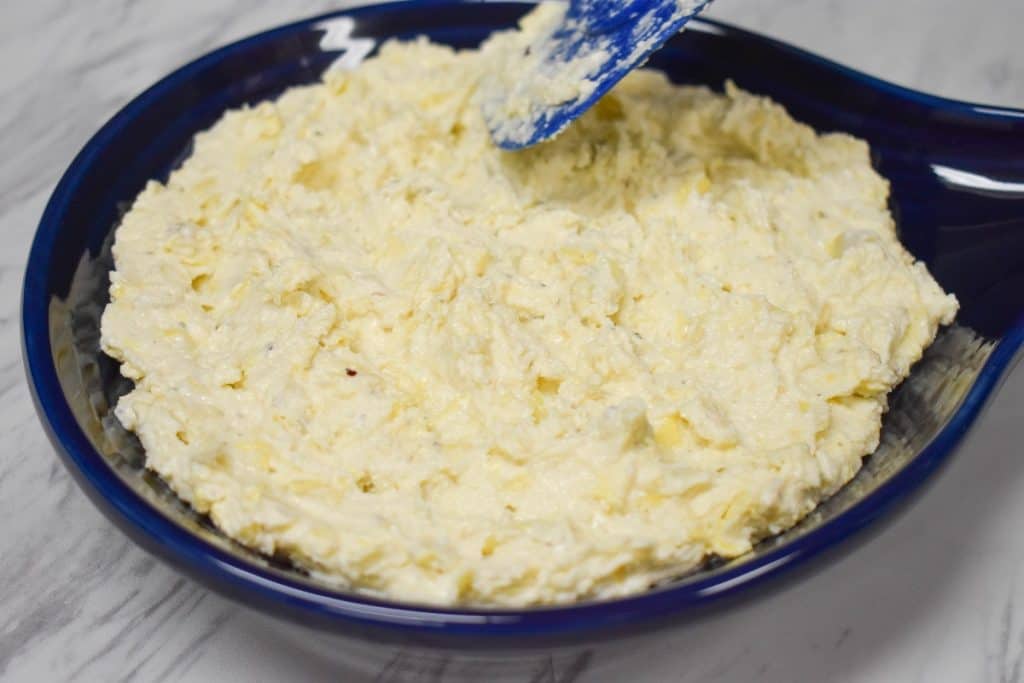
x=350 y=372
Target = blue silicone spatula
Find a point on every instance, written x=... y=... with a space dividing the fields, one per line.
x=590 y=49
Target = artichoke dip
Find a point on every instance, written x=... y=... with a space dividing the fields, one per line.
x=365 y=338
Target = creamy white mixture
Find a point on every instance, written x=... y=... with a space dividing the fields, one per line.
x=364 y=337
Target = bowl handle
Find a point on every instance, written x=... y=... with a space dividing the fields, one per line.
x=959 y=196
x=979 y=245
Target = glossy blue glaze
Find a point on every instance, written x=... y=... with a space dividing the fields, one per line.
x=621 y=34
x=958 y=192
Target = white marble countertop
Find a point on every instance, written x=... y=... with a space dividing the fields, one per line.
x=938 y=596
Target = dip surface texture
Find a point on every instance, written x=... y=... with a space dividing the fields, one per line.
x=365 y=338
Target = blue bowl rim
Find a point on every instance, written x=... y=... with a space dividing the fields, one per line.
x=297 y=600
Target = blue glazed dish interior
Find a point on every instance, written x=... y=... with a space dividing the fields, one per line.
x=957 y=191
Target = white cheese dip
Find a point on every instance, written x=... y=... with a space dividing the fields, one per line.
x=364 y=337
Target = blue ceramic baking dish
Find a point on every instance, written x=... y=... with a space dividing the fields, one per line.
x=957 y=174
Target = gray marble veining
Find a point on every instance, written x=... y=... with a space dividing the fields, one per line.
x=937 y=597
